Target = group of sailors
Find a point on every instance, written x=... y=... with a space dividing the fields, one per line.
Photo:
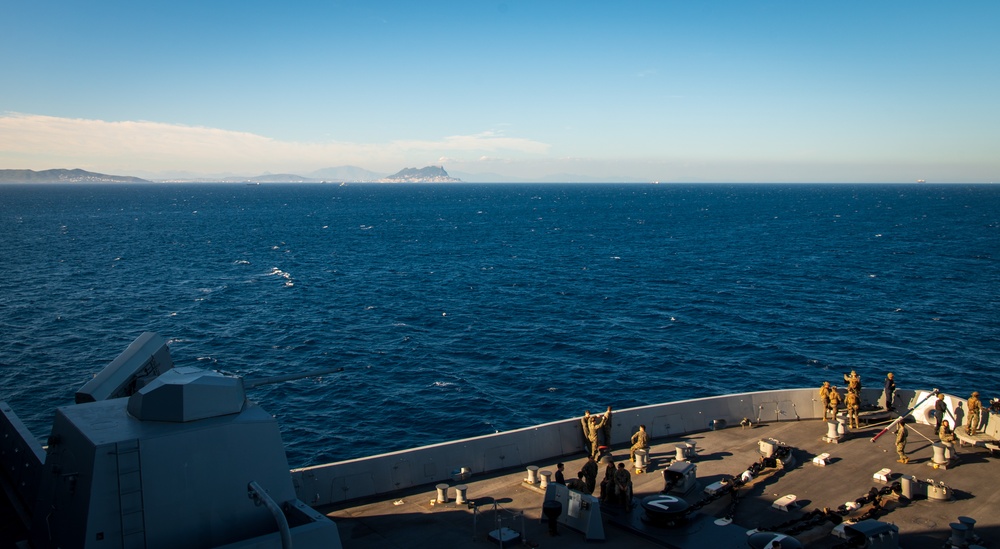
x=942 y=427
x=616 y=486
x=829 y=395
x=831 y=399
x=617 y=483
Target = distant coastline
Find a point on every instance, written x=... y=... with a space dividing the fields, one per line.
x=354 y=174
x=64 y=176
x=346 y=174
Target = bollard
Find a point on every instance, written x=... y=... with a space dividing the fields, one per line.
x=949 y=451
x=692 y=448
x=679 y=453
x=958 y=534
x=939 y=453
x=442 y=496
x=970 y=523
x=831 y=430
x=911 y=487
x=460 y=494
x=841 y=426
x=640 y=459
x=532 y=474
x=546 y=478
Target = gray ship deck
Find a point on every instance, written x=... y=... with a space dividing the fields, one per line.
x=409 y=519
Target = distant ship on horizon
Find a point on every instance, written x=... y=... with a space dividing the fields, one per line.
x=921 y=181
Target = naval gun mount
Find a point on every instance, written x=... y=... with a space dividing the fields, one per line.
x=154 y=456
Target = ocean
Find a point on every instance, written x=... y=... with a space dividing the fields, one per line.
x=458 y=310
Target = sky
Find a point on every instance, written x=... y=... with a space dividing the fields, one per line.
x=660 y=90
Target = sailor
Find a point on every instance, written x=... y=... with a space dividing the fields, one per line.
x=589 y=472
x=577 y=483
x=835 y=400
x=852 y=403
x=940 y=410
x=623 y=486
x=975 y=409
x=585 y=425
x=640 y=441
x=824 y=397
x=606 y=430
x=594 y=427
x=890 y=391
x=560 y=475
x=608 y=482
x=853 y=382
x=901 y=434
x=947 y=436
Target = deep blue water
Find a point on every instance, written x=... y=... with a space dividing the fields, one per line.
x=460 y=310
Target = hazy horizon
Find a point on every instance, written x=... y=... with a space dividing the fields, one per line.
x=643 y=91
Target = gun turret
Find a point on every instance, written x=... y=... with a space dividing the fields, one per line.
x=147 y=469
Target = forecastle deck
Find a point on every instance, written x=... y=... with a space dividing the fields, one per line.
x=390 y=500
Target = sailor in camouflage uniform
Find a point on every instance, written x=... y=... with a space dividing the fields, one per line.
x=853 y=405
x=623 y=486
x=606 y=430
x=975 y=409
x=835 y=400
x=640 y=441
x=853 y=382
x=824 y=397
x=901 y=434
x=589 y=471
x=947 y=437
x=591 y=427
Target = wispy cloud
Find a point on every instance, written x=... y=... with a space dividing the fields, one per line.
x=37 y=141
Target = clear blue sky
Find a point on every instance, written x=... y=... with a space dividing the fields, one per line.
x=658 y=90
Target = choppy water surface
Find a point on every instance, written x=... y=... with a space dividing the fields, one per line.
x=460 y=310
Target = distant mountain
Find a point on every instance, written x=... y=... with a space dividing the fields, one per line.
x=428 y=174
x=64 y=176
x=278 y=178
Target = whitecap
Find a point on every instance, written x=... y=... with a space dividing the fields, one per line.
x=241 y=262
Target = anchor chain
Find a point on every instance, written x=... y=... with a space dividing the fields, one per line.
x=732 y=483
x=817 y=517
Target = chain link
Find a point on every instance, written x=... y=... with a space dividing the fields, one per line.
x=732 y=483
